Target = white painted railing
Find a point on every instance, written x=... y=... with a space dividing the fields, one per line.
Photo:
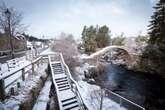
x=54 y=82
x=10 y=74
x=122 y=99
x=73 y=83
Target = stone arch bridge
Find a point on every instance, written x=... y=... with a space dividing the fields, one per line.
x=119 y=51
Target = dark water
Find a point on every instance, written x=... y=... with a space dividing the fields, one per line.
x=144 y=89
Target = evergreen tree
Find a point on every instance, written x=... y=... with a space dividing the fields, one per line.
x=119 y=40
x=153 y=57
x=102 y=37
x=157 y=25
x=88 y=37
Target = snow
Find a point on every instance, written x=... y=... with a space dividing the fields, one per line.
x=119 y=62
x=67 y=94
x=5 y=71
x=38 y=43
x=47 y=52
x=91 y=93
x=19 y=61
x=57 y=76
x=102 y=51
x=23 y=93
x=12 y=80
x=92 y=98
x=29 y=44
x=13 y=70
x=43 y=98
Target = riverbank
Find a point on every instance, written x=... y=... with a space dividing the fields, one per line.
x=141 y=87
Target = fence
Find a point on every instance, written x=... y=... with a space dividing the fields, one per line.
x=121 y=100
x=12 y=73
x=6 y=52
x=73 y=83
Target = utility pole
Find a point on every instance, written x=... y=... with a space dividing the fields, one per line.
x=8 y=15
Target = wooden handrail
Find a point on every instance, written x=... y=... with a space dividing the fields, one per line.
x=121 y=97
x=11 y=73
x=53 y=79
x=74 y=82
x=20 y=68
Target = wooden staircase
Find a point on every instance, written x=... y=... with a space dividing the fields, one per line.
x=67 y=98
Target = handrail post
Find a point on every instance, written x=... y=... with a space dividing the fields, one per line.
x=101 y=100
x=32 y=68
x=2 y=89
x=71 y=80
x=23 y=74
x=120 y=102
x=122 y=98
x=38 y=62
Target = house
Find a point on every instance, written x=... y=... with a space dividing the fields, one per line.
x=19 y=42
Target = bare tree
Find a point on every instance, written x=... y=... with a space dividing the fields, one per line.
x=15 y=19
x=66 y=45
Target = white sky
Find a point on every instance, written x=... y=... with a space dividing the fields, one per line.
x=51 y=17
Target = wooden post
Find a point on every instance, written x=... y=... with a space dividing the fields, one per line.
x=12 y=91
x=120 y=102
x=23 y=74
x=101 y=100
x=32 y=68
x=2 y=89
x=18 y=85
x=38 y=62
x=42 y=60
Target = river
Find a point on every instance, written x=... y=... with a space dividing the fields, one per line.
x=144 y=89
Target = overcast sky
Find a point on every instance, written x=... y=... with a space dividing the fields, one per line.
x=51 y=17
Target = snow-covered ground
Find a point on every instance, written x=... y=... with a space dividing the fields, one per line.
x=91 y=93
x=19 y=61
x=92 y=98
x=5 y=71
x=48 y=51
x=43 y=98
x=23 y=93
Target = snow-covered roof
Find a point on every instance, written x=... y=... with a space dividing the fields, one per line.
x=29 y=43
x=38 y=43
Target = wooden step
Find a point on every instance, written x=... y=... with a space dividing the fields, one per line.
x=59 y=73
x=63 y=83
x=63 y=86
x=67 y=88
x=71 y=106
x=74 y=97
x=69 y=102
x=56 y=65
x=57 y=79
x=58 y=70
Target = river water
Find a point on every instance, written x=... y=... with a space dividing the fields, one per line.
x=144 y=89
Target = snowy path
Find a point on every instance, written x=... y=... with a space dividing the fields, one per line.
x=43 y=98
